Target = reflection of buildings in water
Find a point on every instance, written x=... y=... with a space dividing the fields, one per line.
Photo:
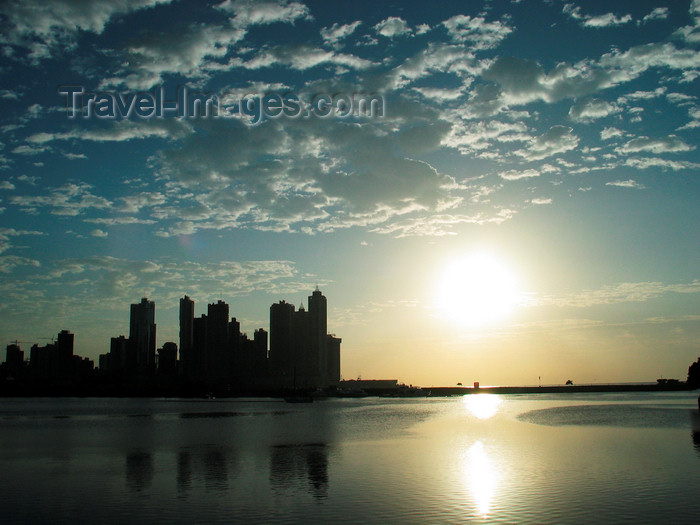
x=207 y=463
x=215 y=469
x=139 y=470
x=300 y=466
x=184 y=470
x=695 y=428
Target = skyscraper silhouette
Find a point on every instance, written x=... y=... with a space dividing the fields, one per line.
x=318 y=327
x=281 y=351
x=142 y=333
x=218 y=361
x=187 y=357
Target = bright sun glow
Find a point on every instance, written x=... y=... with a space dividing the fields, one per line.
x=476 y=290
x=483 y=406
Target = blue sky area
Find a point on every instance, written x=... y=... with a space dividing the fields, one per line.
x=524 y=205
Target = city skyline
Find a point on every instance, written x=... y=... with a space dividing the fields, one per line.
x=213 y=355
x=520 y=205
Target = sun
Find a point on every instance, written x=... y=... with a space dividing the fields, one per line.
x=476 y=290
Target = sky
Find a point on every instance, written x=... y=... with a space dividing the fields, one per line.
x=519 y=208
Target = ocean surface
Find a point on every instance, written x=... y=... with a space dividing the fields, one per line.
x=577 y=458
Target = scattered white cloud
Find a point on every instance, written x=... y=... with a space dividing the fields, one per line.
x=393 y=27
x=71 y=199
x=8 y=94
x=98 y=233
x=590 y=109
x=658 y=13
x=558 y=139
x=691 y=33
x=118 y=131
x=476 y=31
x=334 y=34
x=630 y=183
x=610 y=133
x=670 y=144
x=598 y=21
x=517 y=175
x=44 y=29
x=643 y=163
x=620 y=293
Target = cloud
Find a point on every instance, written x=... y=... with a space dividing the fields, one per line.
x=8 y=94
x=443 y=224
x=609 y=133
x=539 y=201
x=118 y=281
x=6 y=185
x=626 y=184
x=691 y=33
x=620 y=293
x=300 y=57
x=670 y=144
x=643 y=163
x=7 y=233
x=44 y=28
x=334 y=34
x=29 y=150
x=558 y=139
x=521 y=81
x=470 y=136
x=658 y=13
x=517 y=175
x=303 y=175
x=605 y=20
x=477 y=32
x=118 y=131
x=392 y=27
x=445 y=58
x=193 y=49
x=9 y=262
x=590 y=109
x=98 y=233
x=69 y=200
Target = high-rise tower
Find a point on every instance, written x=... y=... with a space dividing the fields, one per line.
x=281 y=345
x=218 y=361
x=318 y=327
x=142 y=332
x=187 y=357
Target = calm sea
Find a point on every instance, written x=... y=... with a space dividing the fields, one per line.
x=593 y=458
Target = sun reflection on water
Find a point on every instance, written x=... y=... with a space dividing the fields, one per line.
x=481 y=476
x=483 y=406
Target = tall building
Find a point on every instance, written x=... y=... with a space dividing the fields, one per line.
x=333 y=349
x=167 y=360
x=196 y=369
x=318 y=328
x=218 y=361
x=259 y=370
x=142 y=332
x=14 y=358
x=281 y=357
x=302 y=360
x=64 y=353
x=187 y=357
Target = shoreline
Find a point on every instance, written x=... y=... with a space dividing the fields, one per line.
x=131 y=392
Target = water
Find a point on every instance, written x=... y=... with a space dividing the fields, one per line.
x=585 y=458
